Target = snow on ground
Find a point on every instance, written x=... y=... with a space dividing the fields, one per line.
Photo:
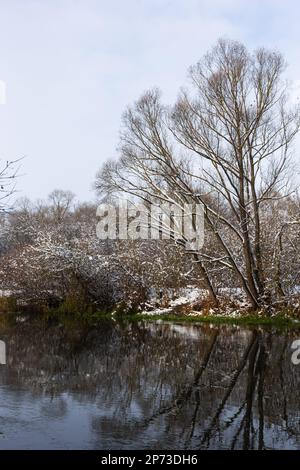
x=158 y=311
x=187 y=296
x=5 y=293
x=190 y=295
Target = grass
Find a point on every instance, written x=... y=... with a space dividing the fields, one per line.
x=279 y=321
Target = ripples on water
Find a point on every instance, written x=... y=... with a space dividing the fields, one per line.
x=143 y=385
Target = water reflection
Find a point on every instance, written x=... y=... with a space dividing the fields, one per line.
x=145 y=385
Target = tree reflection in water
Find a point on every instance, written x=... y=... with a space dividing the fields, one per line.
x=160 y=385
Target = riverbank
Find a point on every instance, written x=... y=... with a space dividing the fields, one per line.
x=278 y=321
x=174 y=312
x=246 y=320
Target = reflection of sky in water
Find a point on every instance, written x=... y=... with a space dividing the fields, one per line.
x=149 y=386
x=40 y=422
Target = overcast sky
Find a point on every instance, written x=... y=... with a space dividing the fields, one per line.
x=72 y=66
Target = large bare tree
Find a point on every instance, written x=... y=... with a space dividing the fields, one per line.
x=226 y=144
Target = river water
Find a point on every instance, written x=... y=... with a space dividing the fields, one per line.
x=142 y=385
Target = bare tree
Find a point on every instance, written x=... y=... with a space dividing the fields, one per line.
x=227 y=145
x=8 y=173
x=61 y=202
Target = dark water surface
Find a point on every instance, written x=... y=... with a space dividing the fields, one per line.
x=148 y=385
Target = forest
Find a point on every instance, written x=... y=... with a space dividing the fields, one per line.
x=227 y=143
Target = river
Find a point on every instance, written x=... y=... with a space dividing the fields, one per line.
x=143 y=385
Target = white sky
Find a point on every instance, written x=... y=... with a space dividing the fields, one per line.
x=72 y=66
